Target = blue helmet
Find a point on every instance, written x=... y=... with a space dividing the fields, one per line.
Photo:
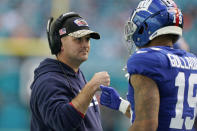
x=153 y=18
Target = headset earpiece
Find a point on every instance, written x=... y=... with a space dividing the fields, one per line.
x=49 y=31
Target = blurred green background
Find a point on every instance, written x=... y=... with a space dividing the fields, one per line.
x=23 y=44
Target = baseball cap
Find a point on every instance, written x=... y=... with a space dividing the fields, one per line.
x=77 y=27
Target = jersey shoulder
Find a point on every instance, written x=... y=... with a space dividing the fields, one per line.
x=152 y=57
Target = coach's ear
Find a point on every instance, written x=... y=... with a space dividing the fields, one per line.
x=63 y=40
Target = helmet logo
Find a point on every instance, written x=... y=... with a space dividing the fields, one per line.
x=144 y=4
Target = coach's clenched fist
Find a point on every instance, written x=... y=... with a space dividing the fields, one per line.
x=100 y=78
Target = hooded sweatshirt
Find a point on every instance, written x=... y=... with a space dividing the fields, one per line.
x=55 y=85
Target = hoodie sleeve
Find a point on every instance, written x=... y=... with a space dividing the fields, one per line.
x=53 y=97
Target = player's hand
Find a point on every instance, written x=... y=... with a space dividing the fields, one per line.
x=100 y=78
x=110 y=97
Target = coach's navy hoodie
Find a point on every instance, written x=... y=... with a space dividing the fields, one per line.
x=55 y=85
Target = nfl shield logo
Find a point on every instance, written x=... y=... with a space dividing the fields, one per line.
x=81 y=22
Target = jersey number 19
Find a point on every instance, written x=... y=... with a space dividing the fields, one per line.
x=177 y=122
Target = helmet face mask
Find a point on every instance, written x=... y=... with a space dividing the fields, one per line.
x=153 y=18
x=130 y=28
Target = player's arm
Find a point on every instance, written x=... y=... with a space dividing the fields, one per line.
x=111 y=99
x=147 y=102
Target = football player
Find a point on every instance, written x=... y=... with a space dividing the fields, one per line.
x=162 y=90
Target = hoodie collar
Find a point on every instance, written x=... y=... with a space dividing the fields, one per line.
x=52 y=65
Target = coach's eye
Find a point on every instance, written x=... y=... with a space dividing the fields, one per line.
x=87 y=38
x=79 y=40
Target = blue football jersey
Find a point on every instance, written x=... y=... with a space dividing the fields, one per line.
x=175 y=73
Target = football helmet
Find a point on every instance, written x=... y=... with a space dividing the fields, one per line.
x=153 y=18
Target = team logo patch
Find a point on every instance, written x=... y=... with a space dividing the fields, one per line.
x=81 y=22
x=62 y=31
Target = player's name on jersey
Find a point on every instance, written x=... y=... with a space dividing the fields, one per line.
x=183 y=62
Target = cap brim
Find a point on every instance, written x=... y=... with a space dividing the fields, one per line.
x=82 y=33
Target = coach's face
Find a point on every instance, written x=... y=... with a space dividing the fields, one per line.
x=75 y=49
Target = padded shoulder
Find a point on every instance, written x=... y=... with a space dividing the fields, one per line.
x=150 y=62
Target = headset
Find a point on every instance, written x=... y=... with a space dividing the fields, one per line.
x=54 y=38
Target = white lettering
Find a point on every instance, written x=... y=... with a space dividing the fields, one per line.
x=172 y=60
x=183 y=62
x=144 y=4
x=178 y=61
